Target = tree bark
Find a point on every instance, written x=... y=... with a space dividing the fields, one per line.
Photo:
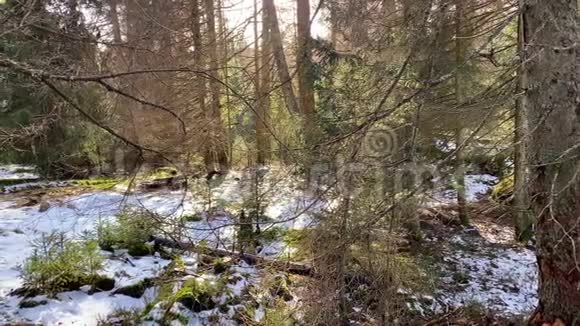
x=522 y=219
x=460 y=98
x=114 y=18
x=280 y=58
x=550 y=38
x=263 y=84
x=218 y=146
x=200 y=89
x=306 y=82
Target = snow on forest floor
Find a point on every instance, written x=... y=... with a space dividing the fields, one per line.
x=476 y=186
x=483 y=265
x=17 y=171
x=485 y=268
x=79 y=214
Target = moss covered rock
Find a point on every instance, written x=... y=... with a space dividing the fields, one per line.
x=135 y=290
x=31 y=303
x=102 y=283
x=504 y=189
x=140 y=249
x=197 y=295
x=279 y=288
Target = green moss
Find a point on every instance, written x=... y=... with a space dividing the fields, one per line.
x=31 y=303
x=98 y=183
x=197 y=295
x=278 y=315
x=220 y=266
x=175 y=316
x=162 y=173
x=164 y=293
x=195 y=217
x=102 y=283
x=140 y=249
x=278 y=287
x=504 y=189
x=135 y=290
x=295 y=237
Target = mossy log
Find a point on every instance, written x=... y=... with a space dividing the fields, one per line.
x=290 y=267
x=280 y=265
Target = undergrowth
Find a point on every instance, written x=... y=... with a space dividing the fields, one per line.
x=131 y=230
x=59 y=264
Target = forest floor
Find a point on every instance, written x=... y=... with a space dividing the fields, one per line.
x=480 y=268
x=481 y=265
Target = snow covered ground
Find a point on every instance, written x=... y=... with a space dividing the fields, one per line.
x=485 y=266
x=76 y=215
x=33 y=185
x=20 y=227
x=476 y=186
x=17 y=171
x=500 y=277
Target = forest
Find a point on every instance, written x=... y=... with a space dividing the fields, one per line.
x=290 y=162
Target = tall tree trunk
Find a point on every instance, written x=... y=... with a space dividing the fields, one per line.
x=217 y=139
x=460 y=98
x=305 y=81
x=262 y=84
x=225 y=44
x=280 y=58
x=114 y=18
x=550 y=43
x=132 y=61
x=521 y=215
x=200 y=82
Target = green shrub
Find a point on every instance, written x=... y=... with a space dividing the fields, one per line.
x=279 y=314
x=121 y=317
x=131 y=230
x=197 y=295
x=58 y=264
x=272 y=233
x=106 y=235
x=140 y=249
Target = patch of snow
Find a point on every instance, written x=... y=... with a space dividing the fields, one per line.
x=476 y=185
x=502 y=280
x=128 y=270
x=77 y=308
x=34 y=185
x=495 y=233
x=17 y=172
x=78 y=215
x=479 y=184
x=216 y=231
x=20 y=227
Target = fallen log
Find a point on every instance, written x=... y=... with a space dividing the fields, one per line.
x=290 y=267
